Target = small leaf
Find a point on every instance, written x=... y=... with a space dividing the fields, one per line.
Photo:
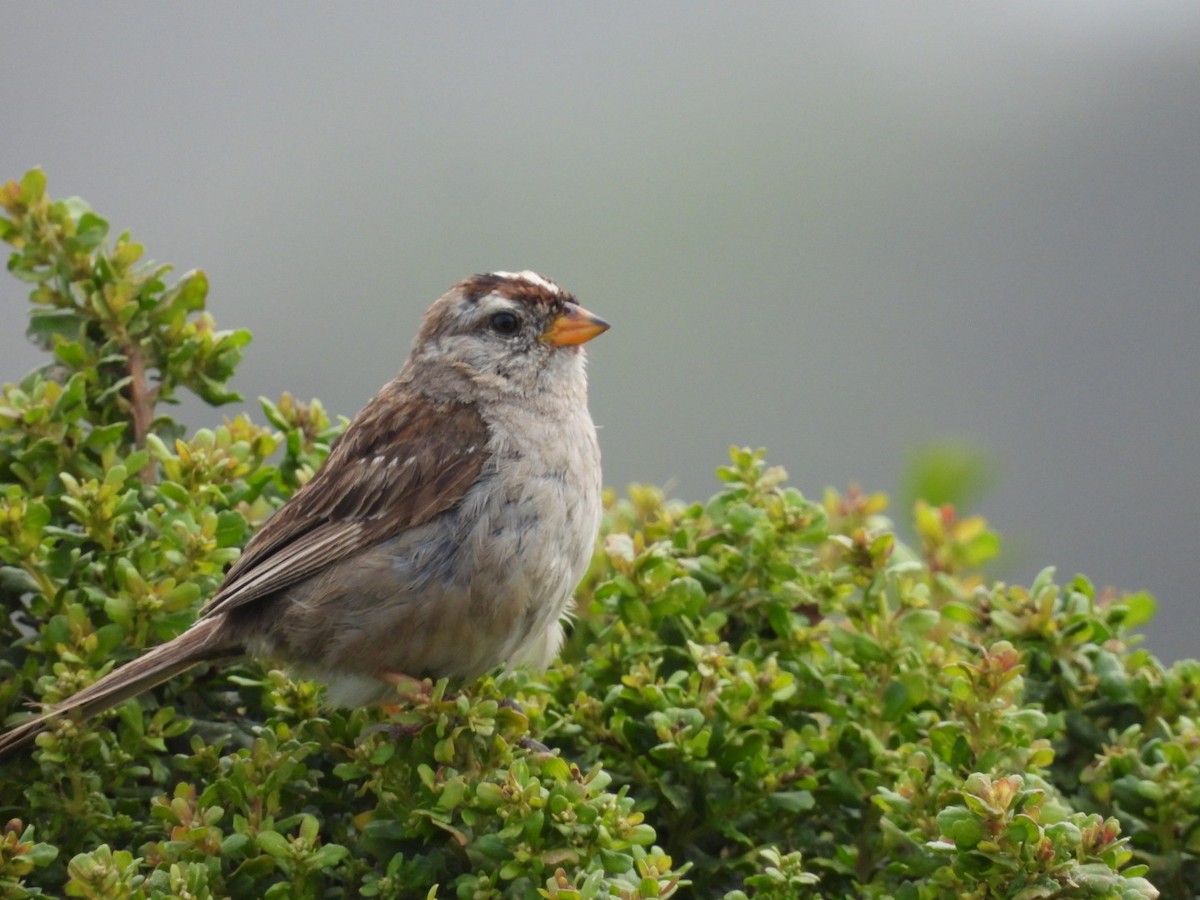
x=71 y=353
x=1136 y=609
x=274 y=844
x=858 y=646
x=895 y=701
x=329 y=856
x=33 y=187
x=918 y=622
x=793 y=801
x=231 y=528
x=91 y=231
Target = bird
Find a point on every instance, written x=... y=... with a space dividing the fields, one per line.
x=444 y=535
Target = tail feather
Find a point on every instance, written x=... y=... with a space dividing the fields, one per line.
x=204 y=640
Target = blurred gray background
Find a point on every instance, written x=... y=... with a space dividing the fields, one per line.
x=837 y=230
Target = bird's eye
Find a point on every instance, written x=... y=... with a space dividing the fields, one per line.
x=505 y=323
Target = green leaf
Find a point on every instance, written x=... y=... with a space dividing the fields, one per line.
x=37 y=516
x=41 y=854
x=71 y=353
x=274 y=844
x=47 y=325
x=918 y=622
x=103 y=435
x=33 y=187
x=329 y=856
x=960 y=613
x=120 y=609
x=961 y=826
x=895 y=701
x=1135 y=610
x=182 y=596
x=274 y=414
x=860 y=647
x=231 y=528
x=793 y=801
x=949 y=472
x=90 y=231
x=186 y=297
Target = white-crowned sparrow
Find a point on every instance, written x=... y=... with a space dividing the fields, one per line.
x=445 y=533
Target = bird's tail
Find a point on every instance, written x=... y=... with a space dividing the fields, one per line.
x=204 y=640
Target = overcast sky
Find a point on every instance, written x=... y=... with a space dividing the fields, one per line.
x=837 y=230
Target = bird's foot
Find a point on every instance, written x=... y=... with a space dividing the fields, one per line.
x=410 y=689
x=397 y=731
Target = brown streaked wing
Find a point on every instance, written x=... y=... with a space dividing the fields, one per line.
x=402 y=461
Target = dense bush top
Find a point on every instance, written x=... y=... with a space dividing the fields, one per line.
x=762 y=695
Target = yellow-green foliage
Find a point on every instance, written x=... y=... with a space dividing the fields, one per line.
x=762 y=696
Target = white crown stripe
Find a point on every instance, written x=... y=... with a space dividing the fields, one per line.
x=532 y=278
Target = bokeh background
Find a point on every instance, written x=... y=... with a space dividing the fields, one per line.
x=838 y=230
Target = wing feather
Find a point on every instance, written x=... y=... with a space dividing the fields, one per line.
x=401 y=462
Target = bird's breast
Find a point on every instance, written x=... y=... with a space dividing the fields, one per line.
x=533 y=535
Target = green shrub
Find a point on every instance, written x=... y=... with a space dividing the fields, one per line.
x=762 y=696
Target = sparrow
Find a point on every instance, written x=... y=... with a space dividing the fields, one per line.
x=443 y=536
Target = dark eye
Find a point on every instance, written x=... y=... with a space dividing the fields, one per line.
x=505 y=323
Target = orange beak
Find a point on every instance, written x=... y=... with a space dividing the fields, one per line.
x=574 y=326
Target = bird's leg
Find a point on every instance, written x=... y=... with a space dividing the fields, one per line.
x=406 y=685
x=410 y=689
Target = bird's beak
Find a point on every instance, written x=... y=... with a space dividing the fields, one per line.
x=575 y=325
